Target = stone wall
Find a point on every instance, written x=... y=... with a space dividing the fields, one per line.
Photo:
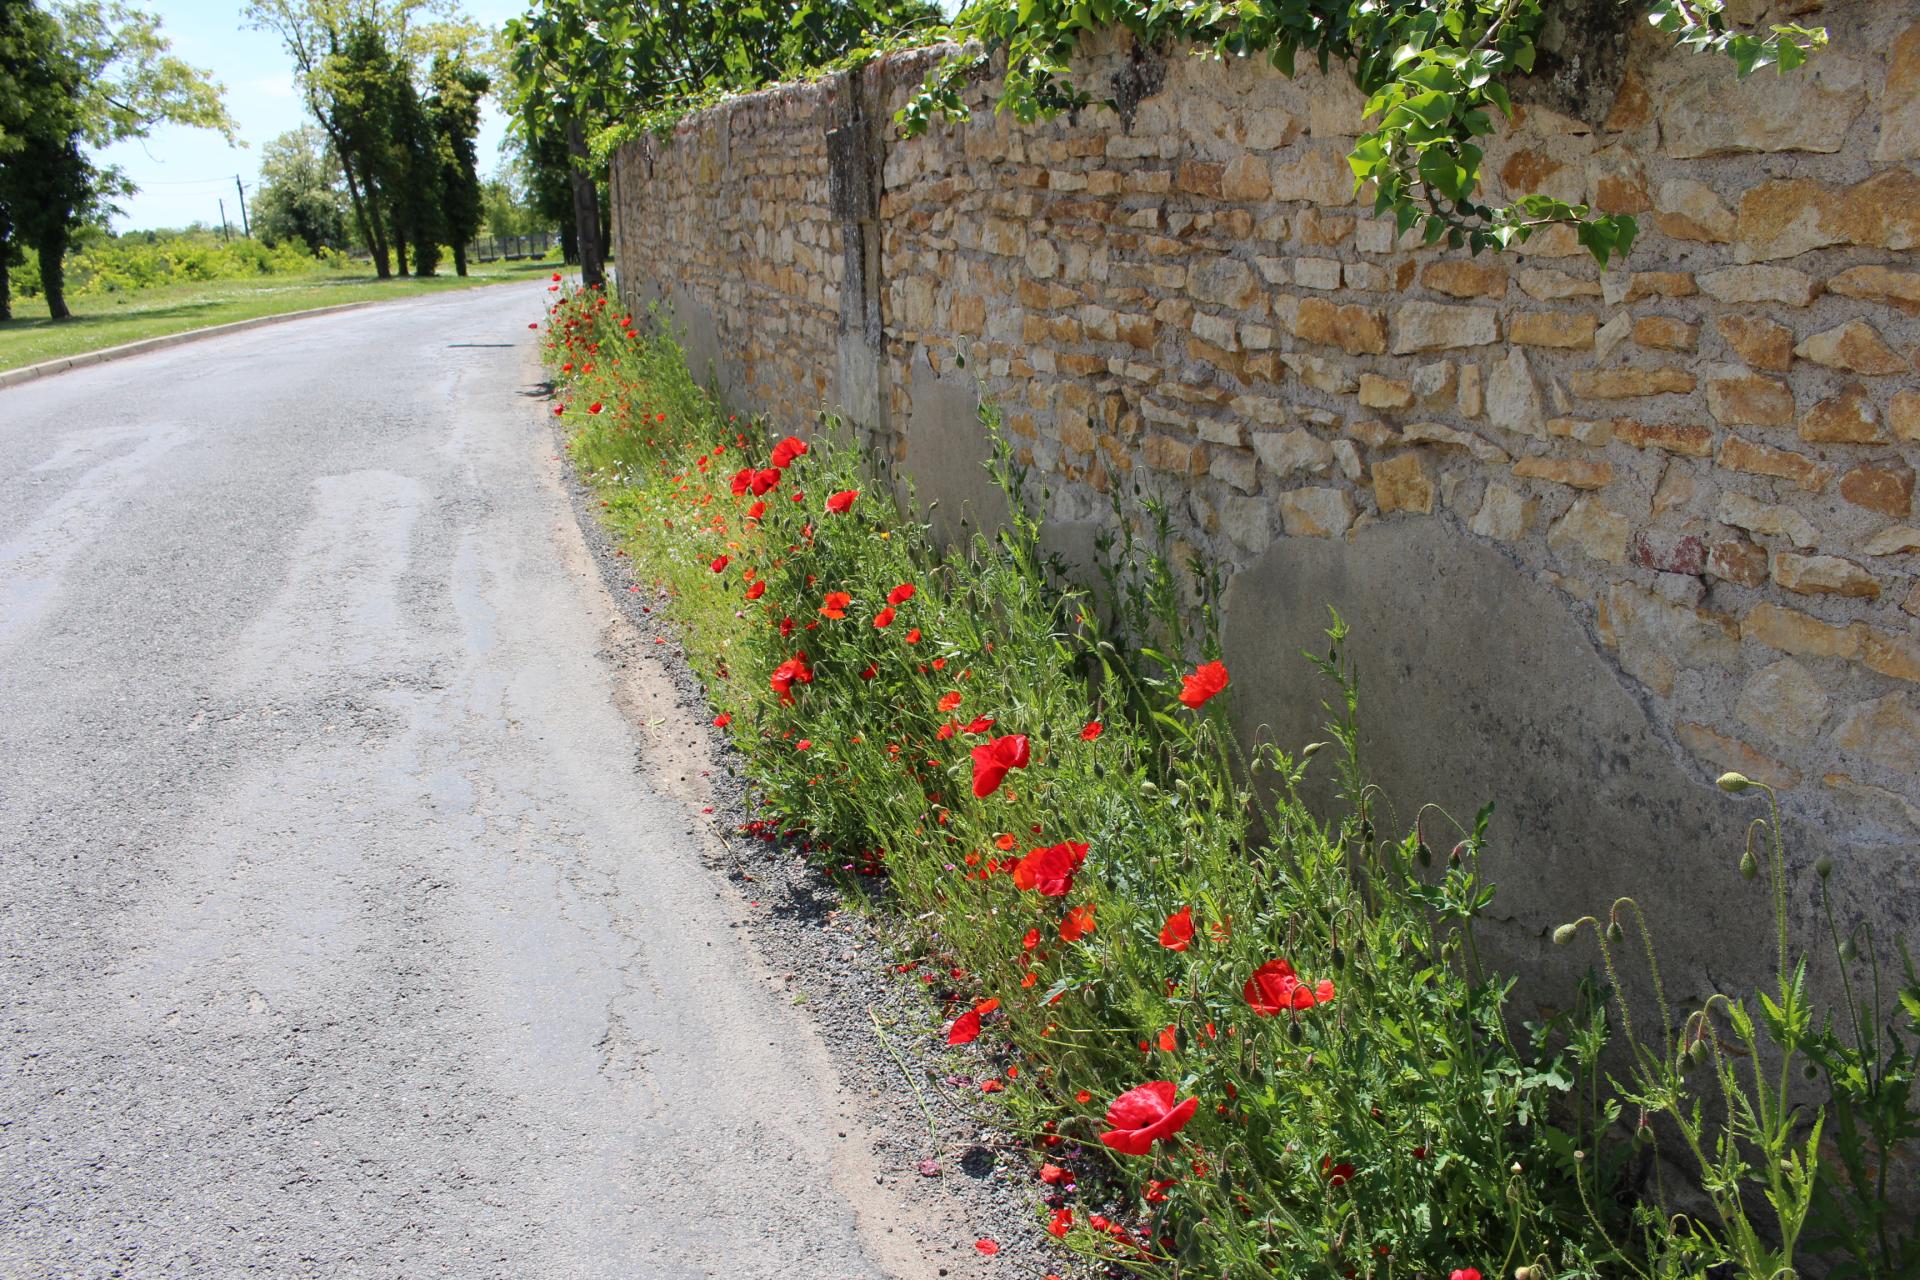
x=1601 y=535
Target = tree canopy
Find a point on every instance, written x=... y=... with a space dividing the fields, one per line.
x=75 y=75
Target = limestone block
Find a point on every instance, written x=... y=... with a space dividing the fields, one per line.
x=1847 y=418
x=1577 y=473
x=1689 y=210
x=1824 y=576
x=1433 y=326
x=1512 y=396
x=1464 y=279
x=1315 y=513
x=1707 y=114
x=1628 y=382
x=1885 y=731
x=1664 y=333
x=1569 y=330
x=1591 y=529
x=1854 y=346
x=1504 y=514
x=1885 y=487
x=1403 y=483
x=1744 y=512
x=1751 y=456
x=1285 y=452
x=1760 y=283
x=1791 y=631
x=1900 y=100
x=1377 y=392
x=1693 y=441
x=1758 y=341
x=1879 y=284
x=1750 y=401
x=1784 y=701
x=1892 y=542
x=1355 y=329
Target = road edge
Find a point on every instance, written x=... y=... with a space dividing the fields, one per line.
x=80 y=360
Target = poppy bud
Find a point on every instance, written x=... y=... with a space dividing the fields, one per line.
x=1749 y=865
x=1698 y=1050
x=1339 y=958
x=1309 y=751
x=1294 y=1032
x=1824 y=867
x=1459 y=853
x=1849 y=952
x=1366 y=831
x=1565 y=933
x=1810 y=1071
x=1424 y=853
x=1615 y=934
x=1733 y=783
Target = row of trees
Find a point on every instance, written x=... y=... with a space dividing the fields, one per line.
x=77 y=75
x=587 y=73
x=394 y=88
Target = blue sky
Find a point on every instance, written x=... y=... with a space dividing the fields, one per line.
x=184 y=173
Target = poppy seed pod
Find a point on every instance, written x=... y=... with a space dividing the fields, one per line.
x=1309 y=751
x=1824 y=867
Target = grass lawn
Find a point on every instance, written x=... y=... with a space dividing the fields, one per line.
x=107 y=320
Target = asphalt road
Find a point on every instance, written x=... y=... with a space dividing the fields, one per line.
x=342 y=932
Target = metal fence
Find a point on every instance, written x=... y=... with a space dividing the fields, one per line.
x=512 y=248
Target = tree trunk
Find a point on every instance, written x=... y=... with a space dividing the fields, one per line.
x=6 y=283
x=399 y=247
x=460 y=259
x=369 y=226
x=569 y=245
x=53 y=268
x=586 y=208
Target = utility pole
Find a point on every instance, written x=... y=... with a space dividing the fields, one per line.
x=245 y=230
x=224 y=236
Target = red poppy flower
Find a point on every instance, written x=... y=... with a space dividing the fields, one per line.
x=787 y=450
x=595 y=407
x=840 y=503
x=1053 y=1175
x=787 y=673
x=741 y=482
x=884 y=618
x=723 y=719
x=1050 y=870
x=719 y=564
x=1464 y=1273
x=900 y=594
x=1169 y=1039
x=991 y=760
x=979 y=724
x=757 y=510
x=1062 y=1222
x=870 y=672
x=1275 y=987
x=946 y=730
x=1208 y=679
x=1337 y=1175
x=1031 y=941
x=1093 y=730
x=835 y=604
x=559 y=411
x=1078 y=924
x=1157 y=1190
x=805 y=744
x=1177 y=932
x=764 y=482
x=965 y=1029
x=913 y=636
x=986 y=1246
x=948 y=701
x=1144 y=1115
x=757 y=590
x=786 y=627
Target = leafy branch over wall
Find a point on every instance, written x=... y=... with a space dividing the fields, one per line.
x=1434 y=72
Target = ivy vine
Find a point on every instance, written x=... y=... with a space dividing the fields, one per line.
x=1434 y=73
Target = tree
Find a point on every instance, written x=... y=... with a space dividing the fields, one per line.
x=586 y=69
x=453 y=112
x=350 y=57
x=77 y=75
x=301 y=195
